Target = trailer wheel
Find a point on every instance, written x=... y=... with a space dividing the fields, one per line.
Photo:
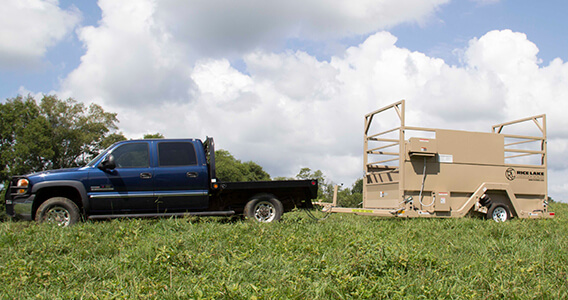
x=58 y=210
x=264 y=209
x=499 y=213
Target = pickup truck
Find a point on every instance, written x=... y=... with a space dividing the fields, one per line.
x=151 y=178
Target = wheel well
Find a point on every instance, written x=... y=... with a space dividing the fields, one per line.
x=58 y=191
x=236 y=200
x=287 y=201
x=501 y=197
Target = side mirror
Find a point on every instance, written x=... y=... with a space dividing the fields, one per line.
x=108 y=163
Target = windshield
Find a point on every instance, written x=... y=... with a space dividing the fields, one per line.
x=94 y=160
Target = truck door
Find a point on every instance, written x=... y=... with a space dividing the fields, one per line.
x=181 y=183
x=127 y=188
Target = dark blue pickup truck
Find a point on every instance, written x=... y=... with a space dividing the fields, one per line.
x=151 y=178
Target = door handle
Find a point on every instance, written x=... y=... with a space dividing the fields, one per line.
x=145 y=175
x=191 y=174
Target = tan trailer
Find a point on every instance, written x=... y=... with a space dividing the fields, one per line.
x=425 y=172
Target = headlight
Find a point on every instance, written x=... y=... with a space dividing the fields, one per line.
x=22 y=185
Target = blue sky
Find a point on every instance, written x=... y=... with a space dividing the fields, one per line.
x=287 y=83
x=543 y=22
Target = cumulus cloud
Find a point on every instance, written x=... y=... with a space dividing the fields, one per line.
x=129 y=59
x=306 y=112
x=29 y=27
x=142 y=52
x=289 y=109
x=220 y=27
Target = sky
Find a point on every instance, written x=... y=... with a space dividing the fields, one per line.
x=287 y=83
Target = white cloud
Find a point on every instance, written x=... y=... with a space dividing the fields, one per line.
x=288 y=109
x=129 y=60
x=142 y=52
x=288 y=128
x=29 y=27
x=223 y=27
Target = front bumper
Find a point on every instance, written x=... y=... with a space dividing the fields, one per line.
x=19 y=206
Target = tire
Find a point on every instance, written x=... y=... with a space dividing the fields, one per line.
x=499 y=213
x=264 y=209
x=58 y=210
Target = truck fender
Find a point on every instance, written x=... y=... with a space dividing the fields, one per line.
x=65 y=183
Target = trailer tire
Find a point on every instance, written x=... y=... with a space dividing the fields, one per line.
x=264 y=209
x=499 y=212
x=58 y=210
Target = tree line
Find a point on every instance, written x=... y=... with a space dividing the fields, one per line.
x=55 y=133
x=52 y=134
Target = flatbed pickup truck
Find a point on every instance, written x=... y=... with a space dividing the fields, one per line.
x=151 y=178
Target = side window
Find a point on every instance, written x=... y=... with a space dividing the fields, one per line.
x=176 y=154
x=133 y=155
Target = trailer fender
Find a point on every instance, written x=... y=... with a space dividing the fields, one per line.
x=485 y=188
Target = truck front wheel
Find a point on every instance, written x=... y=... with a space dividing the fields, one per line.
x=264 y=209
x=58 y=210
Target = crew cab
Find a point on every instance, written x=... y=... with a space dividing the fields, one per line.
x=151 y=178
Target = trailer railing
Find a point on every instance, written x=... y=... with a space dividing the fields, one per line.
x=521 y=140
x=381 y=145
x=514 y=147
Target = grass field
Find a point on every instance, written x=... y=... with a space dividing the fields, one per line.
x=343 y=257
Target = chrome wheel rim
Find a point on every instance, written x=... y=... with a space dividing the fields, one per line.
x=500 y=214
x=264 y=211
x=58 y=215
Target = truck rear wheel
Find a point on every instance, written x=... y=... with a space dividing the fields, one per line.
x=58 y=210
x=499 y=212
x=264 y=209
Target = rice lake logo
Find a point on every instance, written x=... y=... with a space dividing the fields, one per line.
x=512 y=174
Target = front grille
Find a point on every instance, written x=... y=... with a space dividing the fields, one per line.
x=8 y=199
x=14 y=191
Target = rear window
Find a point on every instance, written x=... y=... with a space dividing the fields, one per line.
x=176 y=154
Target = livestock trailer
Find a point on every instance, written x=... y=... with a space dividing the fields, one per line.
x=426 y=172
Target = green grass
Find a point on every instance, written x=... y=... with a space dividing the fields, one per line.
x=343 y=257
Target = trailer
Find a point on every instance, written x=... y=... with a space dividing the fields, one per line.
x=425 y=172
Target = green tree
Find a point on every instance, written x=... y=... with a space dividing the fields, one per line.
x=77 y=133
x=54 y=134
x=231 y=169
x=357 y=186
x=351 y=197
x=345 y=197
x=325 y=187
x=111 y=139
x=153 y=136
x=25 y=137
